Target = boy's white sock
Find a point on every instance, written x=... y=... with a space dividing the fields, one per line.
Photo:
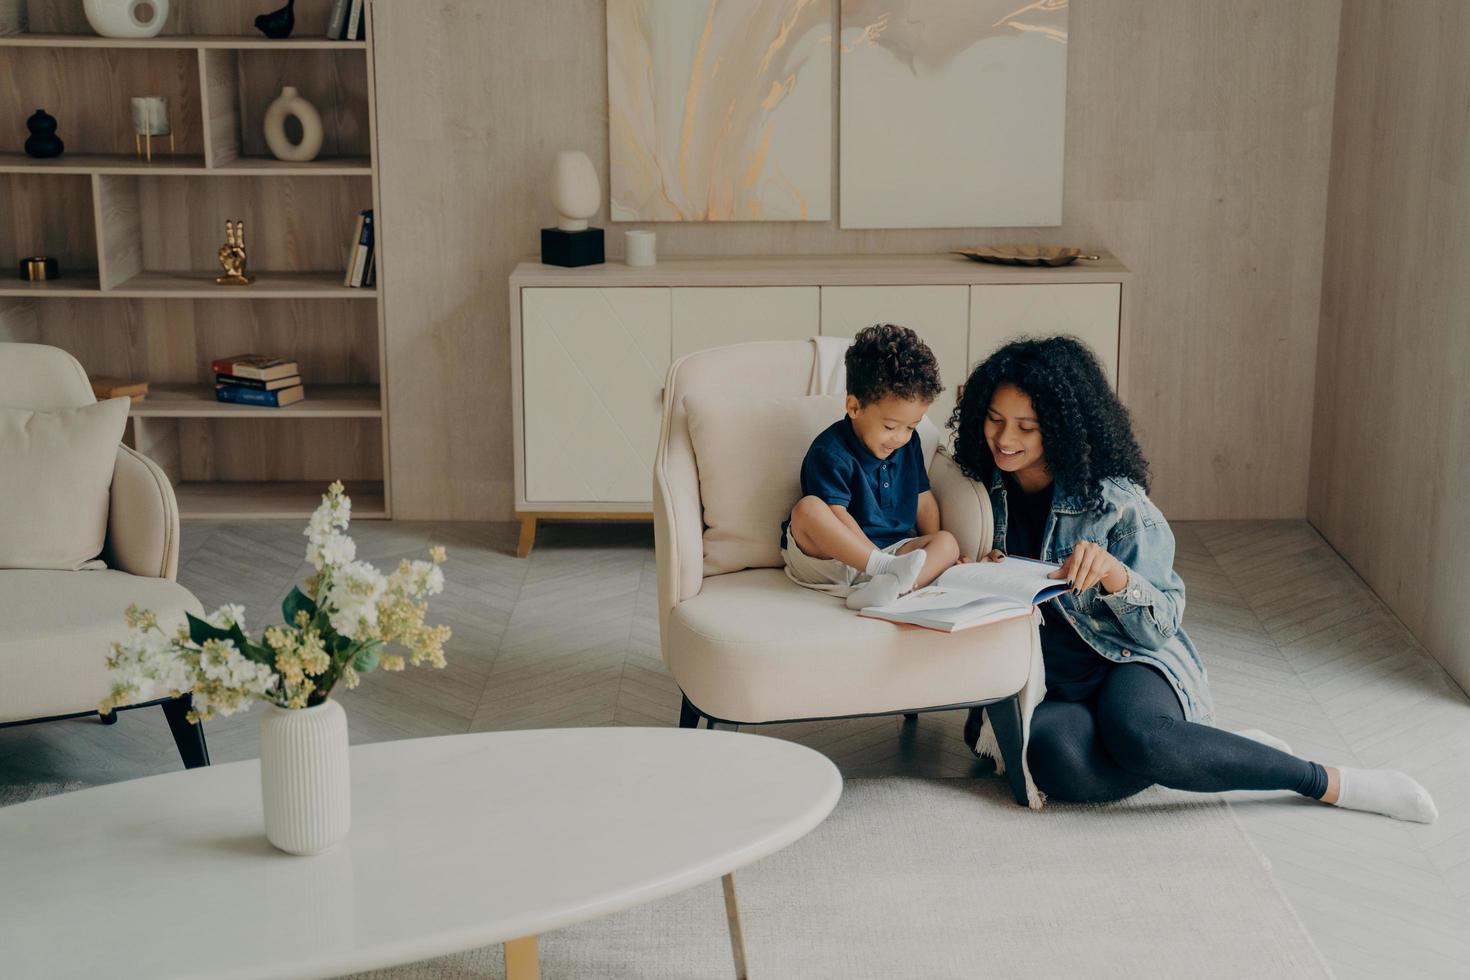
x=1387 y=791
x=879 y=590
x=905 y=568
x=1256 y=735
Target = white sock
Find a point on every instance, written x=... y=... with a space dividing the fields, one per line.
x=1387 y=791
x=905 y=568
x=880 y=590
x=1256 y=735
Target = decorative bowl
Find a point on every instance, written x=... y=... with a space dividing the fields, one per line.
x=1024 y=254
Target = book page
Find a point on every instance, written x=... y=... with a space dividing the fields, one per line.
x=1020 y=579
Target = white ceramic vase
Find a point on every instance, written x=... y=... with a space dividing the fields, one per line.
x=304 y=782
x=290 y=103
x=120 y=18
x=575 y=192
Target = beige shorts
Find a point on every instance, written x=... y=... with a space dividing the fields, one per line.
x=826 y=574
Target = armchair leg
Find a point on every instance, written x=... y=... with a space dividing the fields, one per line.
x=108 y=719
x=723 y=726
x=1006 y=717
x=688 y=715
x=189 y=738
x=910 y=716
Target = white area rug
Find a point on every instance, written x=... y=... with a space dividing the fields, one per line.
x=948 y=878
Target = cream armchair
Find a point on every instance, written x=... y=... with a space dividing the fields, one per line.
x=751 y=648
x=58 y=624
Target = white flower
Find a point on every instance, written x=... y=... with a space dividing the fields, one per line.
x=230 y=614
x=335 y=551
x=352 y=598
x=416 y=578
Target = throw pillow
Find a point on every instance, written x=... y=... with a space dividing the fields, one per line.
x=55 y=478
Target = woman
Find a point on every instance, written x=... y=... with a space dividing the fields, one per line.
x=1127 y=701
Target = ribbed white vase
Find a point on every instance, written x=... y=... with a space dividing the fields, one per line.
x=304 y=782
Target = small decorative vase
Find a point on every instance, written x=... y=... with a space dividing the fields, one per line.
x=575 y=192
x=290 y=103
x=43 y=141
x=304 y=783
x=119 y=18
x=277 y=24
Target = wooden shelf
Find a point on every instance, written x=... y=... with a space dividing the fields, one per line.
x=176 y=401
x=182 y=166
x=236 y=501
x=267 y=285
x=191 y=42
x=82 y=282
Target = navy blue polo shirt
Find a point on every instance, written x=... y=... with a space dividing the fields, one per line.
x=882 y=495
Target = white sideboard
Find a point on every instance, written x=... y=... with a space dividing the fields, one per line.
x=590 y=347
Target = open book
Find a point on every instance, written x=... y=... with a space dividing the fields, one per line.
x=975 y=594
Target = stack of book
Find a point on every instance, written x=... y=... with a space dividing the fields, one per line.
x=105 y=387
x=347 y=21
x=362 y=267
x=254 y=379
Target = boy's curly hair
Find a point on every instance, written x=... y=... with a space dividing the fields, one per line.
x=885 y=359
x=1086 y=431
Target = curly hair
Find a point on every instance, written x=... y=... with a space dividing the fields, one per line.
x=1087 y=432
x=885 y=359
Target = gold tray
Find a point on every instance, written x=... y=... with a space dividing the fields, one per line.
x=1025 y=254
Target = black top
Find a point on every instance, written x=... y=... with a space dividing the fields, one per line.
x=1074 y=670
x=882 y=495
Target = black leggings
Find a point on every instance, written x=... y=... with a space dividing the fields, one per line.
x=1131 y=733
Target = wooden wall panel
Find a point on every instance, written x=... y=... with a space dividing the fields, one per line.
x=1198 y=136
x=174 y=341
x=88 y=91
x=46 y=214
x=1391 y=447
x=335 y=82
x=319 y=450
x=301 y=224
x=18 y=321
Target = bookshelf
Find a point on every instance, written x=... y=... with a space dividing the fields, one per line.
x=137 y=243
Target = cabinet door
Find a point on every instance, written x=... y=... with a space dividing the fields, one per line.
x=593 y=363
x=1087 y=311
x=714 y=316
x=938 y=314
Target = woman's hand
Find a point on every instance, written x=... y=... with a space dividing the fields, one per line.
x=995 y=555
x=1088 y=564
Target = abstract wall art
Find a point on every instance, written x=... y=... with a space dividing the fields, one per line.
x=952 y=114
x=720 y=111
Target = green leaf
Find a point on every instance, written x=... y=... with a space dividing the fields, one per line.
x=367 y=658
x=199 y=631
x=297 y=601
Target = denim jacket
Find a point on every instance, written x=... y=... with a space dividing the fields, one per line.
x=1141 y=622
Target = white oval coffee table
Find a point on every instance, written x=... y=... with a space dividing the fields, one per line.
x=457 y=842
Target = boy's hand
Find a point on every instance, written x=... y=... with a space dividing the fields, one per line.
x=995 y=555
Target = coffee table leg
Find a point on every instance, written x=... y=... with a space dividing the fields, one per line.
x=521 y=961
x=737 y=937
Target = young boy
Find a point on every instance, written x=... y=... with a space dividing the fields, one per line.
x=864 y=488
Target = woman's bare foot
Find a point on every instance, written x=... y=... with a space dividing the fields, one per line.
x=1334 y=785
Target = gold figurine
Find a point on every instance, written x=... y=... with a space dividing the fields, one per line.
x=232 y=256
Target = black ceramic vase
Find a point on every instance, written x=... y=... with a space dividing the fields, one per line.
x=43 y=141
x=278 y=23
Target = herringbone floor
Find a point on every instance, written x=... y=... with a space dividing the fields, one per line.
x=1294 y=641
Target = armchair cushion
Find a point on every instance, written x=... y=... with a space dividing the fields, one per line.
x=752 y=648
x=749 y=455
x=58 y=630
x=55 y=480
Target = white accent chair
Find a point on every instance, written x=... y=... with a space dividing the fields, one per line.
x=750 y=647
x=58 y=625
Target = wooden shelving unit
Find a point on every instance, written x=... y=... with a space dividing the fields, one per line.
x=137 y=243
